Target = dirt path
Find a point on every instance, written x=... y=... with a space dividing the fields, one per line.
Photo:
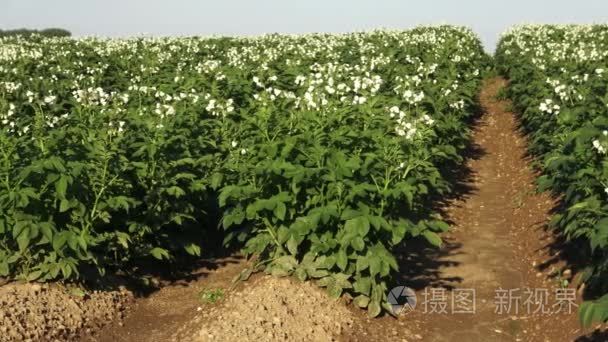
x=501 y=243
x=498 y=241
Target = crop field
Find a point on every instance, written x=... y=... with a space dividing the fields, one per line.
x=321 y=151
x=355 y=162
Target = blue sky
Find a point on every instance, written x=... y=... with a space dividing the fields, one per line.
x=248 y=17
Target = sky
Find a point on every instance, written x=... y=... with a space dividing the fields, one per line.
x=120 y=18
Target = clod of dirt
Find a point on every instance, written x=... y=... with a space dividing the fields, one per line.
x=43 y=312
x=272 y=309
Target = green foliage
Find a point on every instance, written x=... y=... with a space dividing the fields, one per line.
x=559 y=87
x=211 y=296
x=323 y=152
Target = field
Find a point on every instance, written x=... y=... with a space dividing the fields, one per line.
x=352 y=162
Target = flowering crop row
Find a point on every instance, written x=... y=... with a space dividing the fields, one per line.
x=559 y=83
x=322 y=152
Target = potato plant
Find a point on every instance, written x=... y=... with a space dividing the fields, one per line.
x=559 y=85
x=322 y=151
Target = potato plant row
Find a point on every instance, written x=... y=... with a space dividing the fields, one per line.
x=559 y=84
x=316 y=153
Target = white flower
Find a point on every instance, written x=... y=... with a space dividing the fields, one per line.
x=427 y=119
x=210 y=105
x=548 y=107
x=243 y=151
x=49 y=99
x=359 y=99
x=170 y=110
x=121 y=125
x=599 y=147
x=257 y=82
x=234 y=143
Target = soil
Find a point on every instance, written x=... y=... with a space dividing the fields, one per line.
x=499 y=241
x=53 y=312
x=271 y=309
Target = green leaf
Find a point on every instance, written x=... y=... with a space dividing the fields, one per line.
x=594 y=311
x=334 y=291
x=432 y=238
x=301 y=274
x=349 y=214
x=61 y=186
x=363 y=285
x=176 y=191
x=123 y=239
x=358 y=225
x=4 y=269
x=193 y=249
x=33 y=275
x=292 y=245
x=398 y=233
x=243 y=275
x=373 y=309
x=159 y=253
x=362 y=263
x=280 y=210
x=358 y=243
x=77 y=292
x=64 y=205
x=439 y=226
x=23 y=240
x=216 y=180
x=375 y=264
x=225 y=194
x=59 y=240
x=361 y=301
x=284 y=266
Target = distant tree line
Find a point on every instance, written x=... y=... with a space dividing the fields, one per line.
x=49 y=32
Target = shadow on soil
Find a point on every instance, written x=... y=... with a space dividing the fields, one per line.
x=596 y=336
x=420 y=265
x=149 y=276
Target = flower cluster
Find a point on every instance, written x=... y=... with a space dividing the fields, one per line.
x=548 y=106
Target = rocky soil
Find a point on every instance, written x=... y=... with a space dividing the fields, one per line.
x=35 y=312
x=271 y=310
